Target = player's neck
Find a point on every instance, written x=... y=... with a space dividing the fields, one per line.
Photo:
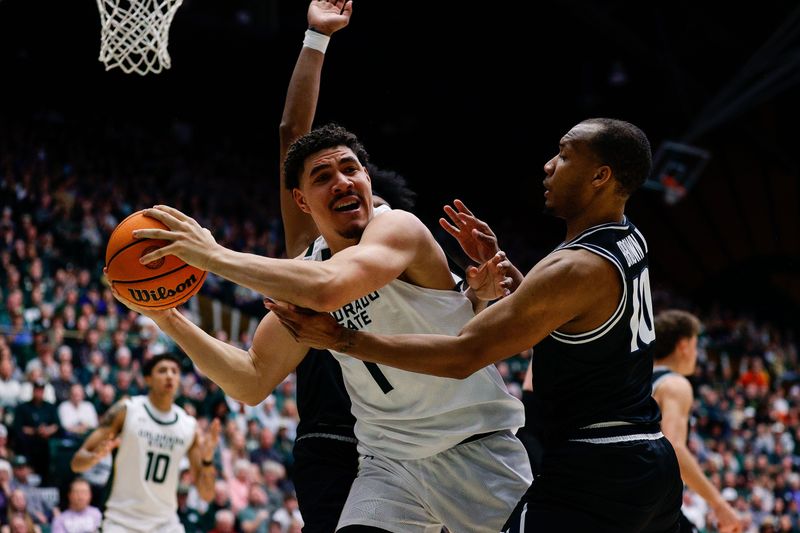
x=162 y=402
x=588 y=219
x=671 y=362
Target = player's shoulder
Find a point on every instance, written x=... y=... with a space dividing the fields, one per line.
x=675 y=385
x=578 y=264
x=397 y=223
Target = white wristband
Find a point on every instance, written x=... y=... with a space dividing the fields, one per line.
x=316 y=40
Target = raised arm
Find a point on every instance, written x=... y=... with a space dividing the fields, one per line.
x=552 y=295
x=102 y=440
x=201 y=460
x=324 y=18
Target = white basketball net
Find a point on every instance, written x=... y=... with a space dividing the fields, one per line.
x=134 y=34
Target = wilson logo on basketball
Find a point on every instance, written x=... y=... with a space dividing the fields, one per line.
x=153 y=264
x=161 y=293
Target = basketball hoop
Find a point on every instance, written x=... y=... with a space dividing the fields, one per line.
x=134 y=34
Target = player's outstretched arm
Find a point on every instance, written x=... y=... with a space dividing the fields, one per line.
x=201 y=459
x=102 y=440
x=391 y=244
x=325 y=18
x=248 y=376
x=561 y=288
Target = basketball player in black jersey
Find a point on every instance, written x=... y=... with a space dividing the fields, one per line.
x=586 y=309
x=675 y=357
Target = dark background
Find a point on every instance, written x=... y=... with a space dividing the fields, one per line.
x=470 y=101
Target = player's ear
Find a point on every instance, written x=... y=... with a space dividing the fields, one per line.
x=300 y=200
x=601 y=176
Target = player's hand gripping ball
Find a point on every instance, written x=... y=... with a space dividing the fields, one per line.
x=162 y=284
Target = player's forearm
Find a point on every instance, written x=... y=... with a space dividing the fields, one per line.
x=229 y=367
x=298 y=116
x=308 y=284
x=205 y=483
x=83 y=460
x=437 y=355
x=693 y=476
x=301 y=96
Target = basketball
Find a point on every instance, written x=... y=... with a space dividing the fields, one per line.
x=162 y=284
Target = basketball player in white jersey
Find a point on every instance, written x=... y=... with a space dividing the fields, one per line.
x=152 y=435
x=434 y=451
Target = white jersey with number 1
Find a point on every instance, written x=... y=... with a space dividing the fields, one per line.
x=147 y=465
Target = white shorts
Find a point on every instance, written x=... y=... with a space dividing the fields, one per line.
x=470 y=488
x=109 y=526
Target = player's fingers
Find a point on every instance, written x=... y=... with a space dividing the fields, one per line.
x=162 y=216
x=452 y=214
x=174 y=213
x=449 y=228
x=162 y=234
x=461 y=206
x=348 y=8
x=290 y=328
x=155 y=255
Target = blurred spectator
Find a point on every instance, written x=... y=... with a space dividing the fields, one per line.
x=76 y=415
x=10 y=387
x=224 y=521
x=288 y=513
x=64 y=381
x=255 y=517
x=36 y=422
x=189 y=517
x=24 y=501
x=239 y=484
x=80 y=516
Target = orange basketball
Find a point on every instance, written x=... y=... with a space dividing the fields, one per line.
x=162 y=284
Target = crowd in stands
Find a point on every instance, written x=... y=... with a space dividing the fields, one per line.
x=68 y=351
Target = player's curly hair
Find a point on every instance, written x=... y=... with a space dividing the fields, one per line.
x=327 y=136
x=625 y=148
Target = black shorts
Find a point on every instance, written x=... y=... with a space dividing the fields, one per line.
x=324 y=470
x=622 y=487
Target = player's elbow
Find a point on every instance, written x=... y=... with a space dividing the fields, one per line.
x=252 y=398
x=327 y=295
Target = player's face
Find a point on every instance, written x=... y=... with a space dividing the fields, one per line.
x=335 y=189
x=569 y=174
x=165 y=378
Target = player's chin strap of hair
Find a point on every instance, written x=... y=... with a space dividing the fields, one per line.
x=316 y=40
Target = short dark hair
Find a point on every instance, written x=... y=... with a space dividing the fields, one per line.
x=625 y=148
x=151 y=363
x=672 y=326
x=392 y=187
x=327 y=136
